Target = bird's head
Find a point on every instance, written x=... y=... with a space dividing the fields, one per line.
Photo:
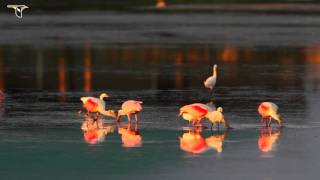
x=103 y=95
x=215 y=66
x=220 y=109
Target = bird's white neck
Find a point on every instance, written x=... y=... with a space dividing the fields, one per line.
x=214 y=71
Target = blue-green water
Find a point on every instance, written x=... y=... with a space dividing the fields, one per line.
x=62 y=153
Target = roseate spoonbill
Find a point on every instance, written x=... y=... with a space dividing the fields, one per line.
x=130 y=107
x=194 y=113
x=92 y=104
x=210 y=82
x=216 y=117
x=269 y=109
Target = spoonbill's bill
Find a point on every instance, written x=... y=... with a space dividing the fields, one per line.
x=269 y=109
x=210 y=82
x=130 y=107
x=97 y=105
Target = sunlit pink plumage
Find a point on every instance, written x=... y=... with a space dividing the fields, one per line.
x=269 y=109
x=194 y=112
x=130 y=107
x=96 y=105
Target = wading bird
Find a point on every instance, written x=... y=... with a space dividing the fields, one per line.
x=210 y=82
x=194 y=113
x=216 y=118
x=269 y=109
x=96 y=105
x=130 y=107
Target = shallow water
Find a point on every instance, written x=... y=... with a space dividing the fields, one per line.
x=40 y=128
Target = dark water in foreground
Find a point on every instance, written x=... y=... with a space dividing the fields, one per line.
x=40 y=136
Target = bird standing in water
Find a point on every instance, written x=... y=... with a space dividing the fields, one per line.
x=269 y=109
x=96 y=105
x=210 y=82
x=130 y=107
x=194 y=113
x=216 y=117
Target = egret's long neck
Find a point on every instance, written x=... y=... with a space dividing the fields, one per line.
x=214 y=71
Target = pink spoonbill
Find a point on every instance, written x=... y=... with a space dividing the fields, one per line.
x=130 y=107
x=195 y=112
x=97 y=105
x=269 y=109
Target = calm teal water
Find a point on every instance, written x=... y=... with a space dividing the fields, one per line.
x=62 y=153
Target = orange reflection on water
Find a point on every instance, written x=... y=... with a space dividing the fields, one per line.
x=62 y=76
x=95 y=131
x=229 y=54
x=312 y=54
x=87 y=74
x=193 y=142
x=268 y=138
x=130 y=137
x=216 y=141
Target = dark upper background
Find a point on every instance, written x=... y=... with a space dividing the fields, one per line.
x=41 y=6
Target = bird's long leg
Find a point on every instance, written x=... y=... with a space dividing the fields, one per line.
x=218 y=126
x=129 y=120
x=136 y=118
x=262 y=119
x=211 y=128
x=270 y=120
x=136 y=127
x=97 y=115
x=80 y=111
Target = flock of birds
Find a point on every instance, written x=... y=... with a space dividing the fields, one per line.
x=194 y=113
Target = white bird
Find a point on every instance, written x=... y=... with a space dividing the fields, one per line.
x=216 y=117
x=210 y=82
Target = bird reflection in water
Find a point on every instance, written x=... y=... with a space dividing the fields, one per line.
x=194 y=142
x=268 y=138
x=130 y=137
x=216 y=141
x=94 y=130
